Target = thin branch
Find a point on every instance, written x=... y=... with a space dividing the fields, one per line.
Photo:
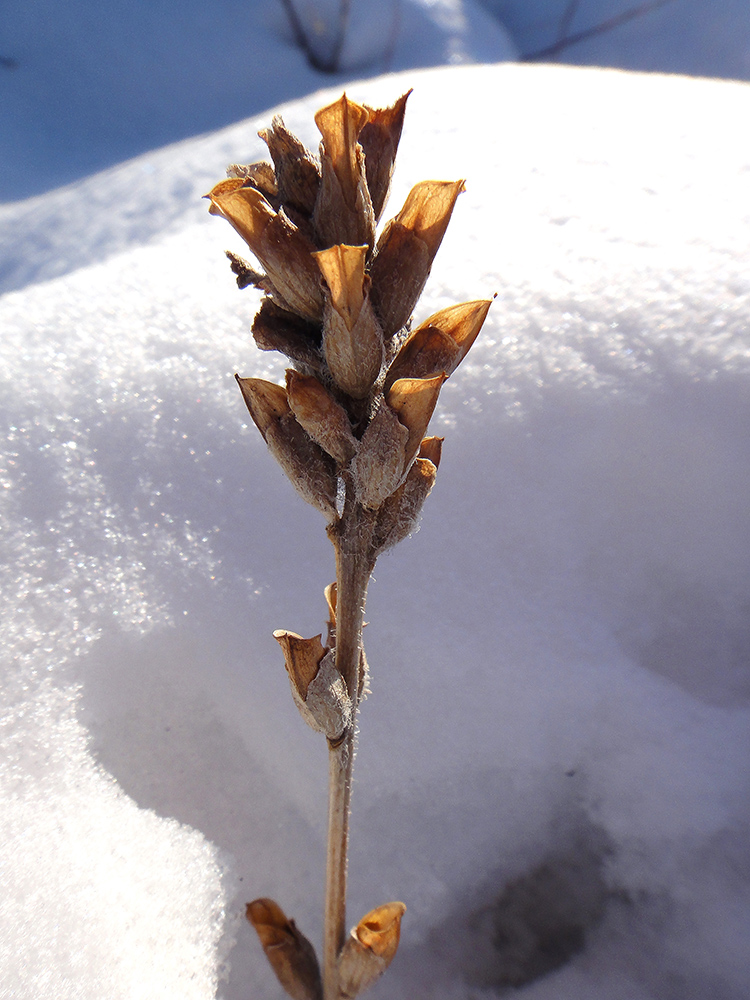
x=390 y=48
x=567 y=19
x=302 y=39
x=599 y=29
x=338 y=45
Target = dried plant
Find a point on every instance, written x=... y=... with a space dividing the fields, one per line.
x=348 y=428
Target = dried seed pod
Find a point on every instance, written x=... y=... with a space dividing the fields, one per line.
x=296 y=170
x=290 y=954
x=324 y=419
x=277 y=243
x=311 y=470
x=380 y=462
x=318 y=688
x=343 y=210
x=352 y=338
x=258 y=175
x=277 y=329
x=398 y=516
x=379 y=140
x=440 y=343
x=406 y=249
x=414 y=400
x=370 y=949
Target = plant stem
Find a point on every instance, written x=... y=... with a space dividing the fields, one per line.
x=351 y=539
x=340 y=761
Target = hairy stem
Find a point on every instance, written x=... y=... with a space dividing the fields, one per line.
x=351 y=539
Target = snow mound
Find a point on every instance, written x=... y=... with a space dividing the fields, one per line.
x=553 y=763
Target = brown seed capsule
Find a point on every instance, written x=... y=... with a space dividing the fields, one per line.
x=322 y=417
x=277 y=329
x=440 y=343
x=398 y=516
x=379 y=140
x=280 y=247
x=370 y=949
x=414 y=400
x=296 y=169
x=352 y=338
x=343 y=210
x=288 y=951
x=381 y=459
x=318 y=688
x=311 y=470
x=266 y=401
x=406 y=249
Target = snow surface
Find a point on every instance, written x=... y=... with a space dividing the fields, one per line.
x=560 y=714
x=665 y=36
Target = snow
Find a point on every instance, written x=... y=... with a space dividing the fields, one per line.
x=559 y=724
x=663 y=36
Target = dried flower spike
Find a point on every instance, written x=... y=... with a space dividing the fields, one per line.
x=348 y=428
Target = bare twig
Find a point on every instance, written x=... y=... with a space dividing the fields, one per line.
x=338 y=45
x=331 y=63
x=599 y=29
x=566 y=20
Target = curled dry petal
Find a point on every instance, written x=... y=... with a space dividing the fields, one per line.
x=440 y=343
x=266 y=402
x=290 y=954
x=324 y=419
x=352 y=338
x=343 y=210
x=381 y=460
x=302 y=658
x=406 y=249
x=414 y=400
x=280 y=247
x=296 y=169
x=370 y=949
x=379 y=140
x=432 y=448
x=311 y=470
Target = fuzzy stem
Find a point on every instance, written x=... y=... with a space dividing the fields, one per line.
x=351 y=537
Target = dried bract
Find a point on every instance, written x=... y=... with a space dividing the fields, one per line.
x=440 y=343
x=352 y=338
x=277 y=243
x=318 y=688
x=406 y=249
x=370 y=949
x=311 y=470
x=324 y=419
x=290 y=954
x=297 y=172
x=379 y=140
x=343 y=210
